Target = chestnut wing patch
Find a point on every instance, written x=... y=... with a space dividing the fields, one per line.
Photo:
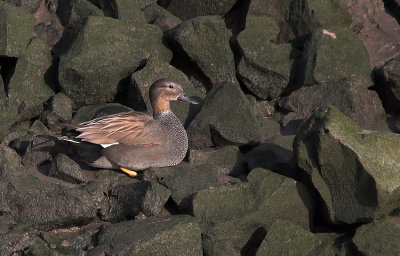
x=131 y=128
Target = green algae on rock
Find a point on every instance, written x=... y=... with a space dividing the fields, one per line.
x=356 y=171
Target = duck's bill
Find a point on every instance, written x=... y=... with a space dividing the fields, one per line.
x=184 y=97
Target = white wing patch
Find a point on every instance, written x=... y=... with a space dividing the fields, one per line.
x=110 y=144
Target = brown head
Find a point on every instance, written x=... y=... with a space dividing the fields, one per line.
x=163 y=91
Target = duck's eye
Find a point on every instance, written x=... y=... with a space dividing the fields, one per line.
x=171 y=86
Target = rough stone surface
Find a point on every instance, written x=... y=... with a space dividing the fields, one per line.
x=349 y=95
x=97 y=61
x=8 y=115
x=143 y=79
x=221 y=118
x=379 y=31
x=265 y=66
x=16 y=26
x=340 y=57
x=152 y=236
x=285 y=238
x=223 y=160
x=354 y=170
x=387 y=81
x=28 y=86
x=130 y=198
x=205 y=40
x=123 y=9
x=248 y=210
x=72 y=13
x=159 y=16
x=191 y=8
x=61 y=105
x=379 y=238
x=66 y=169
x=28 y=196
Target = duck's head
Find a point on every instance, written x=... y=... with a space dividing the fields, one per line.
x=165 y=90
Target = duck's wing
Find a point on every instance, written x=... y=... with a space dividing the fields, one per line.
x=131 y=128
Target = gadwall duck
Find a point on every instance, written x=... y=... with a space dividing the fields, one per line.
x=133 y=140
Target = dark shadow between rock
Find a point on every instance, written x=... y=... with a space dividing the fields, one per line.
x=7 y=68
x=254 y=242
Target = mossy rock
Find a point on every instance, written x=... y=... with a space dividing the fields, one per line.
x=379 y=238
x=191 y=8
x=172 y=235
x=28 y=86
x=248 y=210
x=92 y=68
x=265 y=66
x=354 y=170
x=286 y=238
x=159 y=16
x=349 y=95
x=221 y=118
x=205 y=40
x=16 y=26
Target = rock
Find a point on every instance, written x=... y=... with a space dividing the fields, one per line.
x=10 y=161
x=354 y=170
x=387 y=82
x=66 y=169
x=51 y=245
x=87 y=113
x=72 y=13
x=61 y=105
x=16 y=30
x=183 y=181
x=16 y=240
x=154 y=70
x=285 y=238
x=378 y=30
x=42 y=204
x=191 y=9
x=172 y=235
x=265 y=66
x=123 y=9
x=8 y=115
x=379 y=238
x=157 y=15
x=269 y=128
x=39 y=146
x=340 y=55
x=130 y=198
x=205 y=40
x=248 y=211
x=30 y=6
x=221 y=118
x=223 y=160
x=349 y=95
x=28 y=86
x=85 y=68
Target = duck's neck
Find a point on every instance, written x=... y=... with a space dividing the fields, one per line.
x=160 y=106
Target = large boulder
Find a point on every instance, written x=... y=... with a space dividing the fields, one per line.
x=286 y=238
x=28 y=86
x=248 y=210
x=90 y=70
x=16 y=26
x=205 y=40
x=387 y=81
x=265 y=66
x=349 y=95
x=354 y=170
x=159 y=16
x=191 y=8
x=172 y=235
x=221 y=118
x=379 y=238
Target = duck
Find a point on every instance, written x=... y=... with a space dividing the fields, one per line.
x=133 y=141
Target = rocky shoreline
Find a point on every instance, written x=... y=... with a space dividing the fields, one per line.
x=294 y=149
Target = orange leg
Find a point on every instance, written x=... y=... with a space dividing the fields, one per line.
x=129 y=172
